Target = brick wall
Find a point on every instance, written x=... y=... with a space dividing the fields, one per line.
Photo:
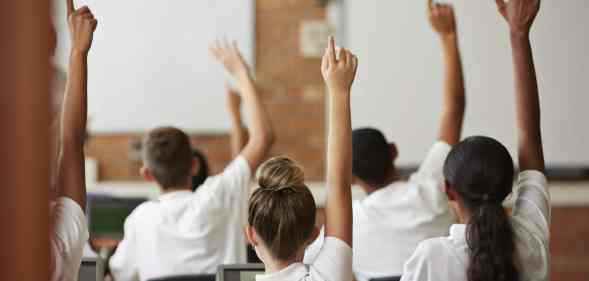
x=291 y=87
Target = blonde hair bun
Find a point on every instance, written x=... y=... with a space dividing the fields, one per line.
x=280 y=173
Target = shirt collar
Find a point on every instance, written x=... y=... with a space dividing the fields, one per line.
x=295 y=271
x=458 y=230
x=174 y=194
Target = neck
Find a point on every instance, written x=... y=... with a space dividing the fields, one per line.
x=369 y=189
x=174 y=189
x=274 y=265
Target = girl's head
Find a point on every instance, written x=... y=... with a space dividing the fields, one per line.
x=479 y=176
x=281 y=213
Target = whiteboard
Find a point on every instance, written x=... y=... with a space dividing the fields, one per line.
x=150 y=66
x=400 y=76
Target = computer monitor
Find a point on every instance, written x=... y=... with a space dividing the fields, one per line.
x=107 y=214
x=239 y=272
x=91 y=269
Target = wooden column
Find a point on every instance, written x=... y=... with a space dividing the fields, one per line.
x=24 y=139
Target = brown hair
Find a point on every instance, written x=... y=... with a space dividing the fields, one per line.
x=167 y=153
x=282 y=210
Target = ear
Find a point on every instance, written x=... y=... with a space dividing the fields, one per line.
x=146 y=173
x=251 y=236
x=314 y=235
x=394 y=151
x=194 y=167
x=450 y=192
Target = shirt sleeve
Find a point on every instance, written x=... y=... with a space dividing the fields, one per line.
x=418 y=267
x=232 y=185
x=122 y=264
x=432 y=167
x=532 y=203
x=70 y=234
x=334 y=261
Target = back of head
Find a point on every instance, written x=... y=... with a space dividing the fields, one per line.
x=481 y=172
x=372 y=157
x=167 y=154
x=203 y=169
x=282 y=210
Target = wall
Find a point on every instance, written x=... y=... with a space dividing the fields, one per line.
x=291 y=86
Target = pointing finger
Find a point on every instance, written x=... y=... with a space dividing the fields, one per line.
x=70 y=7
x=331 y=51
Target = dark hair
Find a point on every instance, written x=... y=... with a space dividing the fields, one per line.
x=372 y=159
x=282 y=210
x=481 y=171
x=167 y=153
x=203 y=169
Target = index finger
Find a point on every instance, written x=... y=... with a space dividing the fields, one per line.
x=70 y=7
x=331 y=49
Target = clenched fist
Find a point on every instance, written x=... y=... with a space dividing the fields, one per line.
x=519 y=14
x=441 y=18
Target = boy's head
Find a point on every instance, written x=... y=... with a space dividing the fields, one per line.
x=373 y=157
x=167 y=158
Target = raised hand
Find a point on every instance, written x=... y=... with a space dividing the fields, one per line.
x=519 y=14
x=81 y=24
x=441 y=18
x=228 y=54
x=338 y=73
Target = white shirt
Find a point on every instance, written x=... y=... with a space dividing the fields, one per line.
x=186 y=232
x=446 y=258
x=333 y=263
x=390 y=222
x=69 y=235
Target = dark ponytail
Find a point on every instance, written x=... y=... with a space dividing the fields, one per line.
x=480 y=170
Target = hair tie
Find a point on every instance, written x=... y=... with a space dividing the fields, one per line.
x=279 y=189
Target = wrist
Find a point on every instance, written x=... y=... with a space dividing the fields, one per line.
x=516 y=34
x=77 y=53
x=449 y=40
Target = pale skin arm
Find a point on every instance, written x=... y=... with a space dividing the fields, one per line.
x=261 y=131
x=520 y=15
x=71 y=179
x=442 y=20
x=339 y=74
x=238 y=131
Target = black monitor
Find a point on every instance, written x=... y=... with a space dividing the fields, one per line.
x=239 y=272
x=91 y=269
x=107 y=214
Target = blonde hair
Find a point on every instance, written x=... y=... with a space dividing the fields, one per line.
x=282 y=210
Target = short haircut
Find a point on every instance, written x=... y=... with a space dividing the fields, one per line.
x=372 y=159
x=282 y=210
x=167 y=154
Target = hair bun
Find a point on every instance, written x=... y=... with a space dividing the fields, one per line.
x=279 y=173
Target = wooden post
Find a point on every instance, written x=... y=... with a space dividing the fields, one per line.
x=25 y=41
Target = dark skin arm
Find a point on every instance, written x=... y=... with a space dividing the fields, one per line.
x=442 y=20
x=238 y=132
x=520 y=15
x=71 y=179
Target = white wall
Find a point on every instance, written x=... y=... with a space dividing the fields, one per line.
x=399 y=85
x=150 y=64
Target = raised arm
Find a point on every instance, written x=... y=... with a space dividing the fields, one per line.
x=520 y=15
x=442 y=20
x=339 y=74
x=238 y=131
x=71 y=179
x=261 y=132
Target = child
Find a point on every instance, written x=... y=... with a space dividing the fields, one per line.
x=281 y=213
x=186 y=232
x=398 y=214
x=70 y=232
x=490 y=245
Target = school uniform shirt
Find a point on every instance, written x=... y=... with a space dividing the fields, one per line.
x=68 y=237
x=447 y=258
x=333 y=263
x=391 y=221
x=187 y=232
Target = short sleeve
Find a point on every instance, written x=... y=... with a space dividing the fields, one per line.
x=532 y=203
x=334 y=261
x=232 y=184
x=419 y=266
x=433 y=165
x=123 y=264
x=70 y=234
